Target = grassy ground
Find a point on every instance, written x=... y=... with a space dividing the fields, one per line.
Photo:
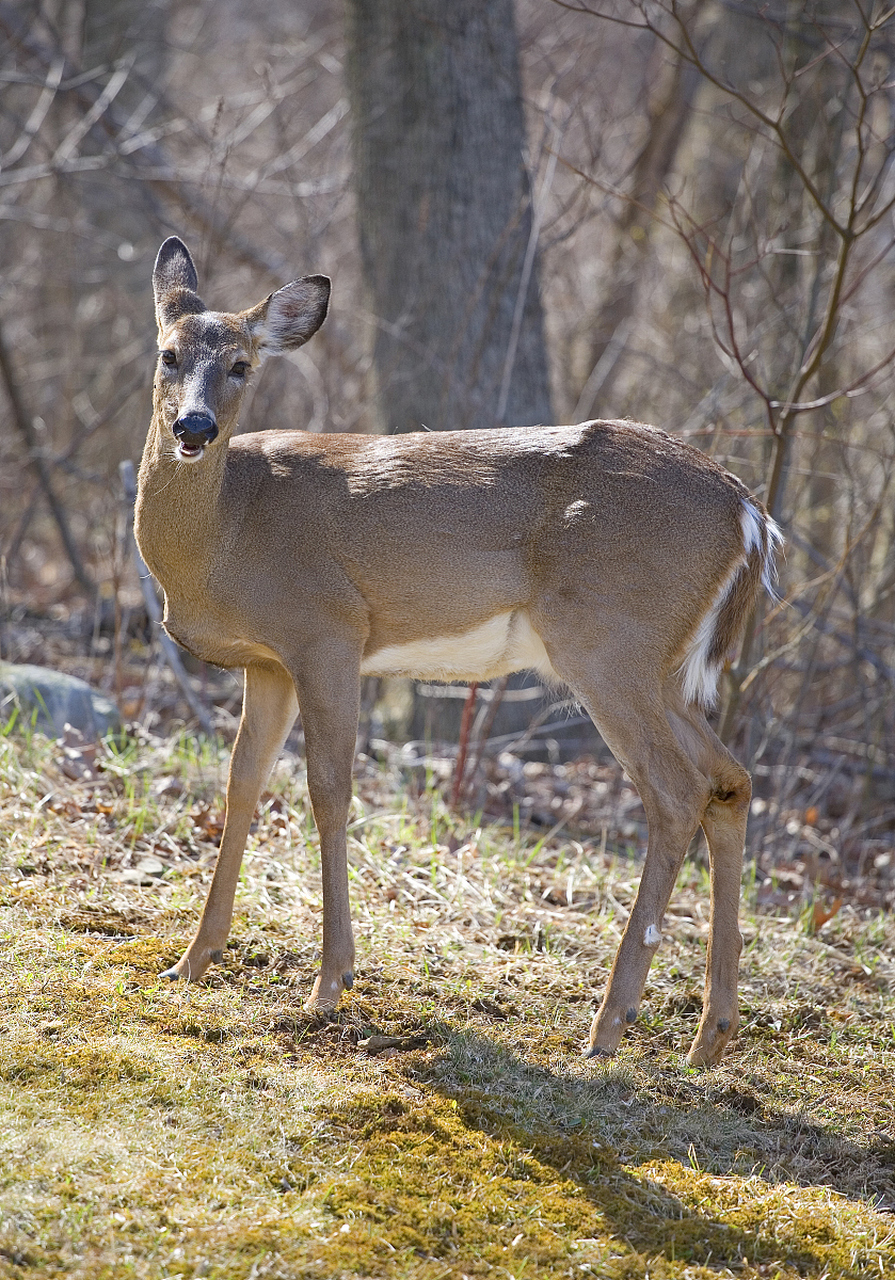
x=444 y=1123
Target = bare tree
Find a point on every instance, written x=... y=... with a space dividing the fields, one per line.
x=447 y=235
x=783 y=200
x=670 y=90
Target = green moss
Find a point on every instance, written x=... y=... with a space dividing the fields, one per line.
x=438 y=1178
x=425 y=1181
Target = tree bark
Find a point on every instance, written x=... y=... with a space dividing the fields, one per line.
x=444 y=211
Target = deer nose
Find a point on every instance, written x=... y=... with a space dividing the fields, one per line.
x=196 y=429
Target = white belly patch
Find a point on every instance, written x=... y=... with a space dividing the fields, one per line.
x=507 y=642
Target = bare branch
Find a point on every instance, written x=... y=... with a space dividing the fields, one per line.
x=36 y=460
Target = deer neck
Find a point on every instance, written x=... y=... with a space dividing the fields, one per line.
x=177 y=518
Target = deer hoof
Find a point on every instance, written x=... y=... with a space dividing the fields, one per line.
x=325 y=996
x=318 y=1008
x=709 y=1045
x=597 y=1051
x=191 y=970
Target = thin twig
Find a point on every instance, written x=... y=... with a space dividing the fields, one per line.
x=463 y=745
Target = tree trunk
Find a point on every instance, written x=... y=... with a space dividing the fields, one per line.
x=445 y=217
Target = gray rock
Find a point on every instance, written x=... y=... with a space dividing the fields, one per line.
x=48 y=700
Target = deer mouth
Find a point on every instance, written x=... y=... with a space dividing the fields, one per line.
x=193 y=432
x=189 y=452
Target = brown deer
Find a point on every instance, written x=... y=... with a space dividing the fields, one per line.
x=610 y=557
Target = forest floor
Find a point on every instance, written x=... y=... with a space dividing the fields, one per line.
x=444 y=1123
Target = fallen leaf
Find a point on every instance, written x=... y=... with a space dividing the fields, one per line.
x=821 y=913
x=210 y=823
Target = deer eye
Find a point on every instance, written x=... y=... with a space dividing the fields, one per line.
x=240 y=369
x=168 y=358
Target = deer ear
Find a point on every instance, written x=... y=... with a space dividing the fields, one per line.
x=290 y=316
x=174 y=283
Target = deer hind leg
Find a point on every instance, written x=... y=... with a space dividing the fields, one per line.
x=630 y=714
x=269 y=708
x=724 y=824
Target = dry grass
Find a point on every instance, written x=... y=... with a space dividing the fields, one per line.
x=444 y=1124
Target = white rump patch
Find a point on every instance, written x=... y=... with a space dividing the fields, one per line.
x=652 y=937
x=507 y=642
x=699 y=676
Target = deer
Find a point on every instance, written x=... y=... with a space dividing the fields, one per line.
x=610 y=557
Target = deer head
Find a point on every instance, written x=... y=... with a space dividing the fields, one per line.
x=206 y=358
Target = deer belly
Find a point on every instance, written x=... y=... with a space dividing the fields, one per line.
x=507 y=642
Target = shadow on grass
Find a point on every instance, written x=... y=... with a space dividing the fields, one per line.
x=609 y=1161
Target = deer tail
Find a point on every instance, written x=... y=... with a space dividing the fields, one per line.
x=720 y=628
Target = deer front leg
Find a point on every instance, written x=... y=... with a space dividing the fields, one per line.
x=269 y=708
x=329 y=697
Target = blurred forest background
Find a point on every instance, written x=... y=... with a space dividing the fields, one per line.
x=692 y=226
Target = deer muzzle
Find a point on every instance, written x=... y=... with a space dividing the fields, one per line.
x=194 y=431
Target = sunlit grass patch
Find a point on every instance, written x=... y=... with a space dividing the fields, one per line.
x=444 y=1123
x=132 y=1148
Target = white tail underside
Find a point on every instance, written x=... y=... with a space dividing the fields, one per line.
x=699 y=674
